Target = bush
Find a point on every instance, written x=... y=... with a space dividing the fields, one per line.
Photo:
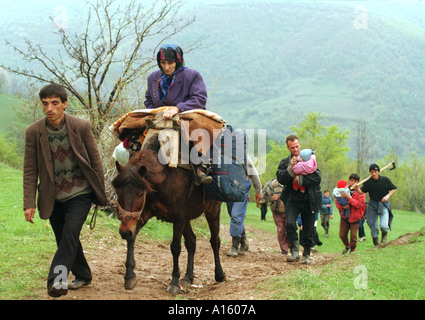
x=8 y=154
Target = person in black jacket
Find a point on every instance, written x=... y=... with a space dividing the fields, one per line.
x=306 y=203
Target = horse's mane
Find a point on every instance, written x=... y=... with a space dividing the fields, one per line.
x=130 y=175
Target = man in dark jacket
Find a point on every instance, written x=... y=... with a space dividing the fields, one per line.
x=296 y=201
x=63 y=168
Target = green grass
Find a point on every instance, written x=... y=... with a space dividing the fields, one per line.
x=24 y=248
x=390 y=273
x=393 y=272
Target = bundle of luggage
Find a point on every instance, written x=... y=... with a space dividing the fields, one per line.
x=225 y=148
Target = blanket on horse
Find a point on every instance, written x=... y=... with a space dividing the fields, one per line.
x=135 y=122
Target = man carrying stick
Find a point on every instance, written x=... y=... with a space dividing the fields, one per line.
x=380 y=190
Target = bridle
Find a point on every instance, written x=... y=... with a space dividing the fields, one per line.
x=124 y=215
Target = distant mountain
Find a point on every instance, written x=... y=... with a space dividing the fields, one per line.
x=267 y=64
x=275 y=62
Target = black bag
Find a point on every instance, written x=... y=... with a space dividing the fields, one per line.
x=229 y=167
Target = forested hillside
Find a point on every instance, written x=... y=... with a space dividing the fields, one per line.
x=275 y=62
x=268 y=64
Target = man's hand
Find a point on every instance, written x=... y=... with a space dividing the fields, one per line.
x=293 y=161
x=29 y=214
x=258 y=197
x=356 y=187
x=346 y=196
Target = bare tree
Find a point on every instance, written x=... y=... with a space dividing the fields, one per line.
x=364 y=145
x=115 y=49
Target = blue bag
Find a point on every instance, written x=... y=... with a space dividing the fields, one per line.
x=229 y=167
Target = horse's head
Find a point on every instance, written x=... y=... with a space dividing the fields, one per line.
x=132 y=188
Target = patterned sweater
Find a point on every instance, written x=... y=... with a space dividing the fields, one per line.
x=69 y=179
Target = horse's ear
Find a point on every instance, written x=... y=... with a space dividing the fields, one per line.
x=119 y=166
x=142 y=171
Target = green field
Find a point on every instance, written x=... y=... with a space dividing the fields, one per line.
x=394 y=272
x=6 y=111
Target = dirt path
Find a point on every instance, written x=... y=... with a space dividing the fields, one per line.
x=106 y=257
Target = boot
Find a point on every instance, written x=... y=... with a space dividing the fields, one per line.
x=306 y=256
x=244 y=244
x=205 y=179
x=375 y=242
x=294 y=252
x=384 y=237
x=234 y=249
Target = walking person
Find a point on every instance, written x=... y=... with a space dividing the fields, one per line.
x=307 y=203
x=380 y=190
x=237 y=212
x=326 y=212
x=271 y=192
x=351 y=215
x=263 y=208
x=63 y=176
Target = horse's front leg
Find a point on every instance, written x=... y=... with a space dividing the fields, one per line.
x=130 y=263
x=174 y=286
x=190 y=243
x=213 y=218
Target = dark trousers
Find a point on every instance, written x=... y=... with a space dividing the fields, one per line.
x=67 y=219
x=263 y=210
x=307 y=217
x=361 y=229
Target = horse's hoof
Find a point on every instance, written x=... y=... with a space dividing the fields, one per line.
x=221 y=278
x=173 y=289
x=130 y=283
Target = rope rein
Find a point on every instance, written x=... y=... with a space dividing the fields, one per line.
x=137 y=215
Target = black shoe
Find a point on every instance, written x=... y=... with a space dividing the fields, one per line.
x=56 y=293
x=77 y=284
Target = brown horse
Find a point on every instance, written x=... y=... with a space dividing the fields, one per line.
x=147 y=189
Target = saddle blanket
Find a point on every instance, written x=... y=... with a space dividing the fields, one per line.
x=134 y=119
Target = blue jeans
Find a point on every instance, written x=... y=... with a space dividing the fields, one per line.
x=372 y=221
x=237 y=211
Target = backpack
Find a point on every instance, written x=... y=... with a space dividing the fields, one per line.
x=229 y=167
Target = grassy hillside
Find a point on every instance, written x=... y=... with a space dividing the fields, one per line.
x=274 y=62
x=267 y=64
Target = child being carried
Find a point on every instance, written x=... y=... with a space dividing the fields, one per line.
x=306 y=164
x=342 y=186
